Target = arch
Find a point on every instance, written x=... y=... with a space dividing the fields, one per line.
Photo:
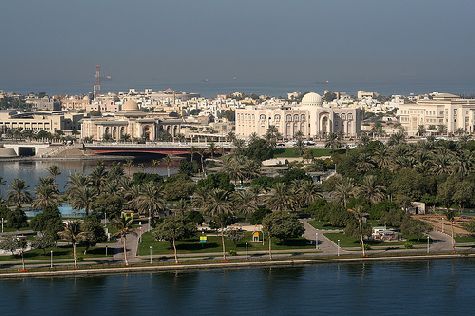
x=147 y=132
x=296 y=117
x=302 y=117
x=277 y=117
x=288 y=118
x=262 y=117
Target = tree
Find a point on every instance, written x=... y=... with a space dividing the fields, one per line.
x=94 y=231
x=300 y=143
x=333 y=141
x=13 y=243
x=48 y=222
x=46 y=194
x=364 y=230
x=16 y=218
x=281 y=225
x=150 y=200
x=43 y=241
x=174 y=228
x=124 y=227
x=370 y=190
x=167 y=161
x=54 y=171
x=72 y=233
x=281 y=198
x=235 y=235
x=344 y=189
x=218 y=206
x=81 y=193
x=18 y=193
x=414 y=229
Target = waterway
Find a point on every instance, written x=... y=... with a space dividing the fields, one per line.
x=32 y=171
x=440 y=287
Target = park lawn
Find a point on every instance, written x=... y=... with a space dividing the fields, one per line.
x=61 y=252
x=465 y=238
x=294 y=152
x=348 y=241
x=214 y=245
x=323 y=225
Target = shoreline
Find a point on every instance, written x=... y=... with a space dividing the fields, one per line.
x=32 y=158
x=224 y=265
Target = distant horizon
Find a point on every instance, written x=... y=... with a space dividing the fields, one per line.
x=274 y=89
x=410 y=44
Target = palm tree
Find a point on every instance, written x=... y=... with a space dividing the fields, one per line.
x=281 y=198
x=211 y=148
x=54 y=171
x=124 y=227
x=98 y=177
x=245 y=201
x=73 y=234
x=359 y=217
x=167 y=160
x=202 y=152
x=156 y=164
x=382 y=158
x=2 y=183
x=344 y=190
x=128 y=164
x=46 y=194
x=333 y=141
x=80 y=193
x=150 y=199
x=18 y=193
x=370 y=190
x=219 y=207
x=307 y=192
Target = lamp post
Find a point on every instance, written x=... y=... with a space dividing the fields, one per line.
x=51 y=263
x=316 y=241
x=106 y=250
x=2 y=224
x=151 y=252
x=428 y=244
x=338 y=249
x=105 y=218
x=247 y=257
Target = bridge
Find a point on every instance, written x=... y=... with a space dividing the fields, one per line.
x=163 y=148
x=27 y=149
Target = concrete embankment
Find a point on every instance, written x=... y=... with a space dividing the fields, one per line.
x=222 y=265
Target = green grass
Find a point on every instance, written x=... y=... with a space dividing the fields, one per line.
x=214 y=245
x=348 y=241
x=323 y=225
x=466 y=238
x=61 y=252
x=294 y=152
x=11 y=229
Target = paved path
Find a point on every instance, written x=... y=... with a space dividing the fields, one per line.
x=441 y=241
x=132 y=243
x=325 y=245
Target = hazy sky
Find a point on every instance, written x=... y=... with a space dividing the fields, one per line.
x=57 y=43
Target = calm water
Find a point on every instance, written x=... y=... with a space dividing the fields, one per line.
x=31 y=171
x=405 y=288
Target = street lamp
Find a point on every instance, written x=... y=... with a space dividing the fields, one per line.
x=105 y=218
x=106 y=250
x=151 y=251
x=247 y=257
x=51 y=264
x=338 y=249
x=2 y=224
x=316 y=241
x=428 y=245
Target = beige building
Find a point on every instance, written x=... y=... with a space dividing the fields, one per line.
x=37 y=121
x=444 y=109
x=130 y=121
x=310 y=117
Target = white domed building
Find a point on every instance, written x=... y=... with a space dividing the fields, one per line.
x=310 y=117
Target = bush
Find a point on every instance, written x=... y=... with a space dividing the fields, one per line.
x=408 y=245
x=232 y=253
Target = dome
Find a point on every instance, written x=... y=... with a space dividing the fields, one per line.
x=130 y=106
x=312 y=99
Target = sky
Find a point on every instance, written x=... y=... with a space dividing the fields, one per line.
x=54 y=45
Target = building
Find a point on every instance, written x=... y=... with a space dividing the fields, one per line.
x=45 y=103
x=448 y=110
x=129 y=123
x=37 y=121
x=309 y=117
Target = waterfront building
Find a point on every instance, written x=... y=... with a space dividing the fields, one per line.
x=310 y=117
x=446 y=109
x=130 y=121
x=37 y=121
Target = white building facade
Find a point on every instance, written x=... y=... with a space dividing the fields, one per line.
x=310 y=117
